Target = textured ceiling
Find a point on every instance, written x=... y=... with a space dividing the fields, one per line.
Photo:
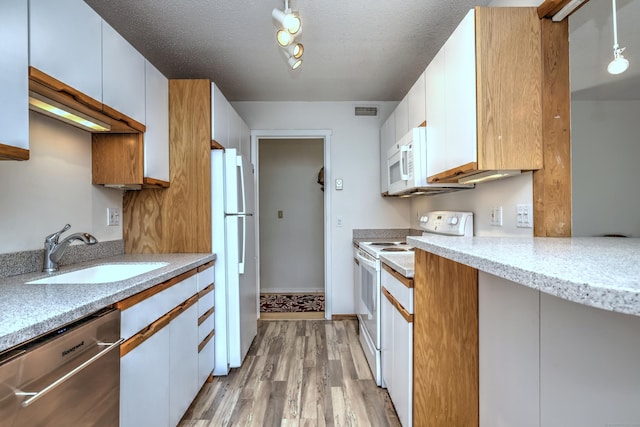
x=355 y=50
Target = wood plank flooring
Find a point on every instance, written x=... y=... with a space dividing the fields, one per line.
x=297 y=373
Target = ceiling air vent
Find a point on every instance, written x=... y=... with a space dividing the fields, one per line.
x=367 y=111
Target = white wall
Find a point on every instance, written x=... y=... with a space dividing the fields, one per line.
x=507 y=192
x=288 y=182
x=605 y=150
x=53 y=188
x=355 y=157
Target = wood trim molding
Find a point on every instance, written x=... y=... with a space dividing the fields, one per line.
x=552 y=184
x=343 y=317
x=8 y=152
x=206 y=315
x=215 y=145
x=205 y=291
x=423 y=124
x=206 y=266
x=551 y=7
x=58 y=86
x=117 y=115
x=154 y=183
x=394 y=302
x=206 y=340
x=452 y=175
x=144 y=334
x=404 y=280
x=148 y=293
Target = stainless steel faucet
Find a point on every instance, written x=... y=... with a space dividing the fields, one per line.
x=53 y=250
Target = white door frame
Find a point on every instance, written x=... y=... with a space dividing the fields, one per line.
x=325 y=134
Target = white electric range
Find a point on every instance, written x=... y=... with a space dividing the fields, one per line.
x=368 y=294
x=368 y=289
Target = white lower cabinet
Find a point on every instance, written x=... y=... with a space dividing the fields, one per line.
x=145 y=383
x=397 y=346
x=183 y=363
x=161 y=370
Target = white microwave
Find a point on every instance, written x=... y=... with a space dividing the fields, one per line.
x=407 y=167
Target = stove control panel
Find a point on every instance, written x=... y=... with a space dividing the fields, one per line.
x=448 y=223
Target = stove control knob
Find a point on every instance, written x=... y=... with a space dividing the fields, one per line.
x=453 y=220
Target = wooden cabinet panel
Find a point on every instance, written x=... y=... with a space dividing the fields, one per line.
x=66 y=43
x=177 y=219
x=117 y=159
x=445 y=363
x=123 y=75
x=14 y=59
x=509 y=69
x=156 y=137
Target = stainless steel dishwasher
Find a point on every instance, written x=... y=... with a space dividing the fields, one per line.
x=69 y=377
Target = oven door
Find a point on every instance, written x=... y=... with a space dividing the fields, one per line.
x=397 y=168
x=368 y=296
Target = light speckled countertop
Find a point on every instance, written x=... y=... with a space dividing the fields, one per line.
x=402 y=262
x=31 y=310
x=595 y=271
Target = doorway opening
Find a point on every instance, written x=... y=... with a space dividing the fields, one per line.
x=291 y=226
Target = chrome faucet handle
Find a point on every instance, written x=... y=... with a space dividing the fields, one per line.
x=53 y=238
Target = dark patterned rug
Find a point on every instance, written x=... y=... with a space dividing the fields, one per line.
x=291 y=303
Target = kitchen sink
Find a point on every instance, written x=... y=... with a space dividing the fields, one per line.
x=104 y=273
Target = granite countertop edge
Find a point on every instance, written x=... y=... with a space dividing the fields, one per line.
x=571 y=276
x=29 y=310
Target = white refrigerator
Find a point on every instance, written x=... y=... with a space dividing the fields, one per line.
x=233 y=238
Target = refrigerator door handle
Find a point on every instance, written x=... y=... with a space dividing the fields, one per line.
x=243 y=217
x=243 y=253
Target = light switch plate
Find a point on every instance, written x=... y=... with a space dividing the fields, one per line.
x=496 y=216
x=113 y=216
x=524 y=216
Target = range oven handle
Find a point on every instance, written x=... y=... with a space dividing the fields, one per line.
x=37 y=395
x=367 y=262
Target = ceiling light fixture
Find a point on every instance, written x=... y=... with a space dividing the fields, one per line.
x=620 y=63
x=289 y=28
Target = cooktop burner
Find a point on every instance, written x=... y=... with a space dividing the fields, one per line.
x=396 y=249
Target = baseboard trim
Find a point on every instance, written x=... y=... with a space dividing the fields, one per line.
x=344 y=317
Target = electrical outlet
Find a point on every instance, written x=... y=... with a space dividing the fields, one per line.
x=339 y=221
x=496 y=216
x=339 y=184
x=280 y=214
x=524 y=216
x=113 y=216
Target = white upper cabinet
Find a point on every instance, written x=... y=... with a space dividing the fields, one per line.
x=460 y=88
x=123 y=75
x=436 y=115
x=66 y=43
x=219 y=116
x=402 y=119
x=416 y=103
x=156 y=138
x=235 y=129
x=14 y=87
x=387 y=139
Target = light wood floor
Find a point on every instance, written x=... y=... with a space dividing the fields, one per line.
x=297 y=373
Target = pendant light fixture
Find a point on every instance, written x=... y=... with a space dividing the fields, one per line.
x=620 y=63
x=289 y=28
